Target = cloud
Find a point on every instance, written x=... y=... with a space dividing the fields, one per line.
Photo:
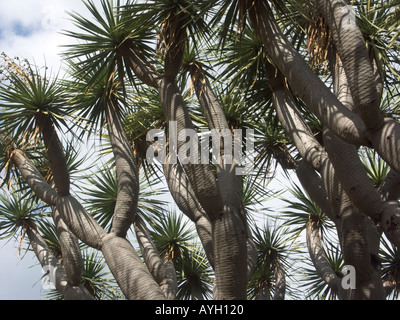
x=32 y=29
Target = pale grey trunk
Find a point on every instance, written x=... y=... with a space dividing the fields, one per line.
x=351 y=47
x=357 y=237
x=200 y=175
x=319 y=260
x=71 y=253
x=314 y=186
x=57 y=274
x=81 y=223
x=127 y=171
x=131 y=274
x=34 y=178
x=185 y=198
x=359 y=188
x=303 y=80
x=163 y=272
x=230 y=230
x=294 y=125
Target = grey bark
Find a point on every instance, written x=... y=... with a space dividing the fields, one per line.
x=55 y=154
x=351 y=47
x=70 y=291
x=200 y=175
x=185 y=198
x=71 y=253
x=162 y=271
x=34 y=178
x=80 y=222
x=127 y=171
x=319 y=260
x=131 y=274
x=310 y=88
x=230 y=230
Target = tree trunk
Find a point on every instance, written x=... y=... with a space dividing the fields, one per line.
x=136 y=61
x=319 y=260
x=303 y=80
x=357 y=237
x=127 y=171
x=185 y=198
x=230 y=230
x=280 y=282
x=71 y=253
x=162 y=271
x=55 y=154
x=351 y=47
x=200 y=175
x=70 y=291
x=131 y=274
x=33 y=178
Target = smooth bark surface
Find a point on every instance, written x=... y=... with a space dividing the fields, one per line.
x=70 y=291
x=131 y=274
x=303 y=80
x=127 y=171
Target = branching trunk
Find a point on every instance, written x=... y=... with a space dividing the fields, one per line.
x=34 y=178
x=359 y=188
x=303 y=80
x=162 y=271
x=185 y=198
x=294 y=125
x=71 y=253
x=351 y=47
x=127 y=172
x=200 y=175
x=81 y=223
x=357 y=236
x=230 y=230
x=131 y=274
x=70 y=291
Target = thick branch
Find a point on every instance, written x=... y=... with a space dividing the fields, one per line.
x=127 y=172
x=81 y=224
x=163 y=272
x=318 y=257
x=33 y=178
x=185 y=198
x=131 y=274
x=303 y=80
x=200 y=175
x=55 y=154
x=50 y=263
x=71 y=253
x=350 y=44
x=137 y=62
